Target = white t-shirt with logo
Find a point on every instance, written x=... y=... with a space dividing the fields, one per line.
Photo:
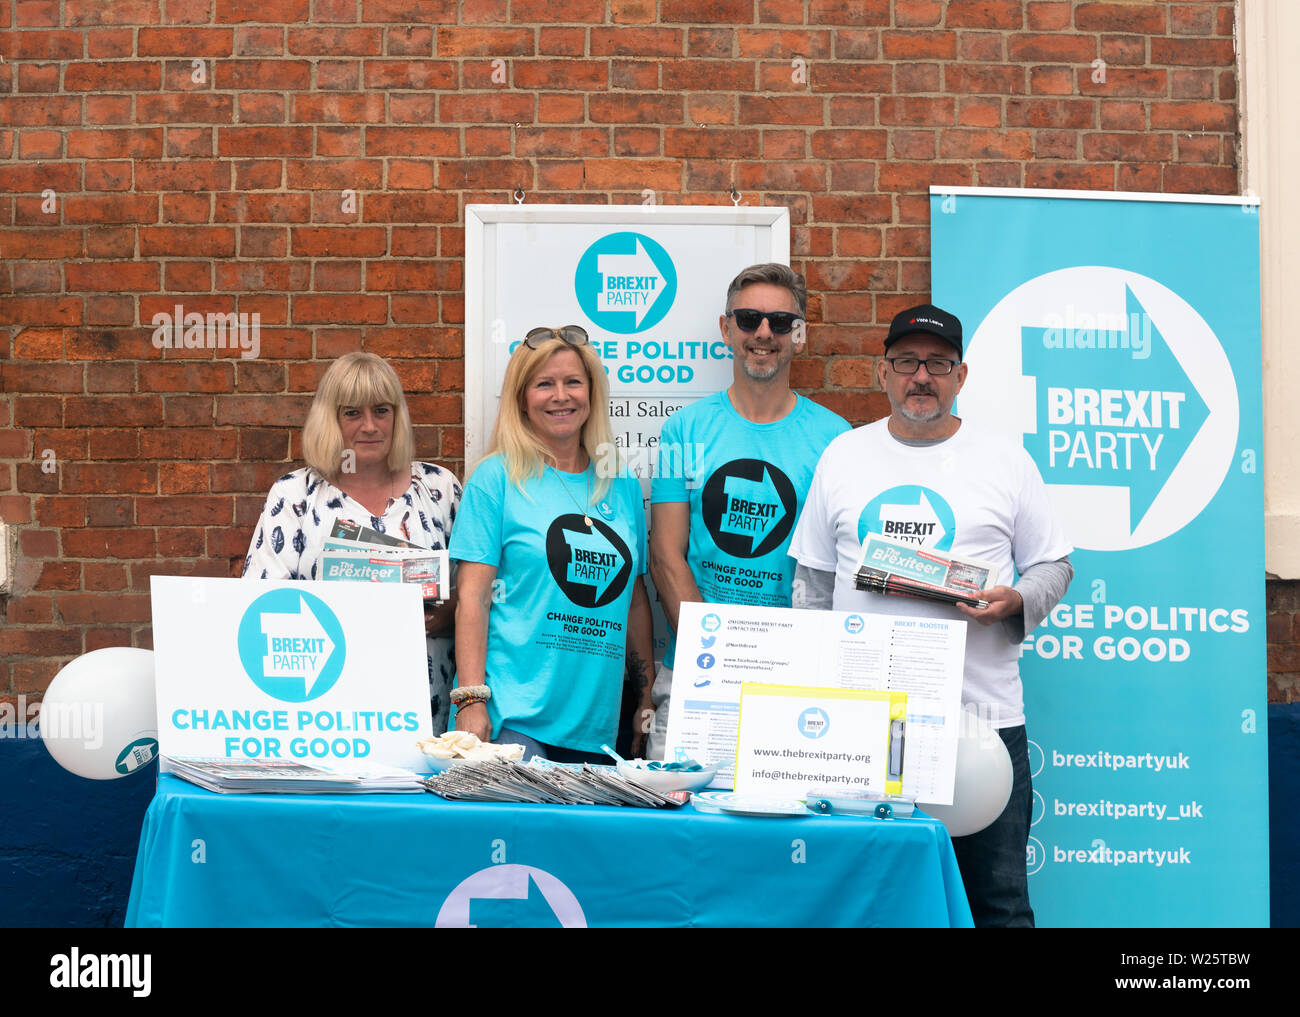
x=975 y=494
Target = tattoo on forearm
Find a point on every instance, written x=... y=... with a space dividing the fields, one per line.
x=636 y=670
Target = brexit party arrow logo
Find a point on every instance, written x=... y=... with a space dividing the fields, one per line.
x=591 y=567
x=510 y=912
x=1120 y=391
x=508 y=894
x=625 y=282
x=631 y=282
x=1119 y=409
x=298 y=646
x=753 y=508
x=593 y=560
x=749 y=508
x=909 y=512
x=291 y=645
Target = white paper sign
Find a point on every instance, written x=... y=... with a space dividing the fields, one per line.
x=720 y=646
x=795 y=741
x=332 y=673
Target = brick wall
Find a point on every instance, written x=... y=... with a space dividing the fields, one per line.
x=310 y=160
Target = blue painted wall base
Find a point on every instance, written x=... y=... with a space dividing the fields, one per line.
x=1284 y=813
x=67 y=844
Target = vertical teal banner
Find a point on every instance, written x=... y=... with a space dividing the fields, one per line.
x=1118 y=339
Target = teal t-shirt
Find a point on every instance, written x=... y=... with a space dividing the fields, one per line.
x=746 y=485
x=557 y=628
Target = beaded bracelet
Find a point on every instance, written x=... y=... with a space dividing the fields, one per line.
x=470 y=694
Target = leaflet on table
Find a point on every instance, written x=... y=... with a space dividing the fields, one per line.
x=900 y=569
x=720 y=646
x=311 y=672
x=283 y=776
x=796 y=741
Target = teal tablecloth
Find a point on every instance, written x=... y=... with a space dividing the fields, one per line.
x=416 y=860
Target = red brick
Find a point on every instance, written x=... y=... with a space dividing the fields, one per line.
x=80 y=609
x=41 y=310
x=43 y=110
x=1194 y=116
x=984 y=14
x=1124 y=50
x=1071 y=177
x=731 y=12
x=985 y=144
x=859 y=12
x=411 y=208
x=1045 y=16
x=38 y=77
x=413 y=275
x=781 y=110
x=489 y=42
x=263 y=141
x=1121 y=81
x=917 y=111
x=384 y=74
x=281 y=75
x=46 y=45
x=897 y=45
x=103 y=577
x=1200 y=180
x=643 y=42
x=189 y=42
x=1056 y=145
x=1192 y=52
x=1128 y=147
x=115 y=276
x=41 y=642
x=419 y=11
x=33 y=14
x=564 y=11
x=487 y=107
x=623 y=109
x=79 y=13
x=1145 y=18
x=114 y=76
x=844 y=77
x=1077 y=49
x=985 y=78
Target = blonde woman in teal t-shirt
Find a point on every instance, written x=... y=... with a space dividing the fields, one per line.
x=553 y=614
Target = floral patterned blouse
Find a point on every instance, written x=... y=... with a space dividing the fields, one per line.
x=301 y=511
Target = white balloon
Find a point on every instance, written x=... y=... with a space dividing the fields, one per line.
x=98 y=717
x=983 y=781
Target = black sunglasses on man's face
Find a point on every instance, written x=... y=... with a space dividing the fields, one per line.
x=748 y=320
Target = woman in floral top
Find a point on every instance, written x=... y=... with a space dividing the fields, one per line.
x=359 y=447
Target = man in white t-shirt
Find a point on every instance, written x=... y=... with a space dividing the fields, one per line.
x=924 y=476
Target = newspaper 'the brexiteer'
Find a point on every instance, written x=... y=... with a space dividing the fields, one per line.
x=905 y=570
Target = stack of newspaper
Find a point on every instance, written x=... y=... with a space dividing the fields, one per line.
x=359 y=554
x=906 y=570
x=285 y=776
x=543 y=782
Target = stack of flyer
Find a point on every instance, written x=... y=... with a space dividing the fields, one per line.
x=285 y=776
x=906 y=570
x=359 y=554
x=541 y=781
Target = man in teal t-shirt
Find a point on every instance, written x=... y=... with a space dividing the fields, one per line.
x=734 y=468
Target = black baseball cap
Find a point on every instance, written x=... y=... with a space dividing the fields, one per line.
x=925 y=318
